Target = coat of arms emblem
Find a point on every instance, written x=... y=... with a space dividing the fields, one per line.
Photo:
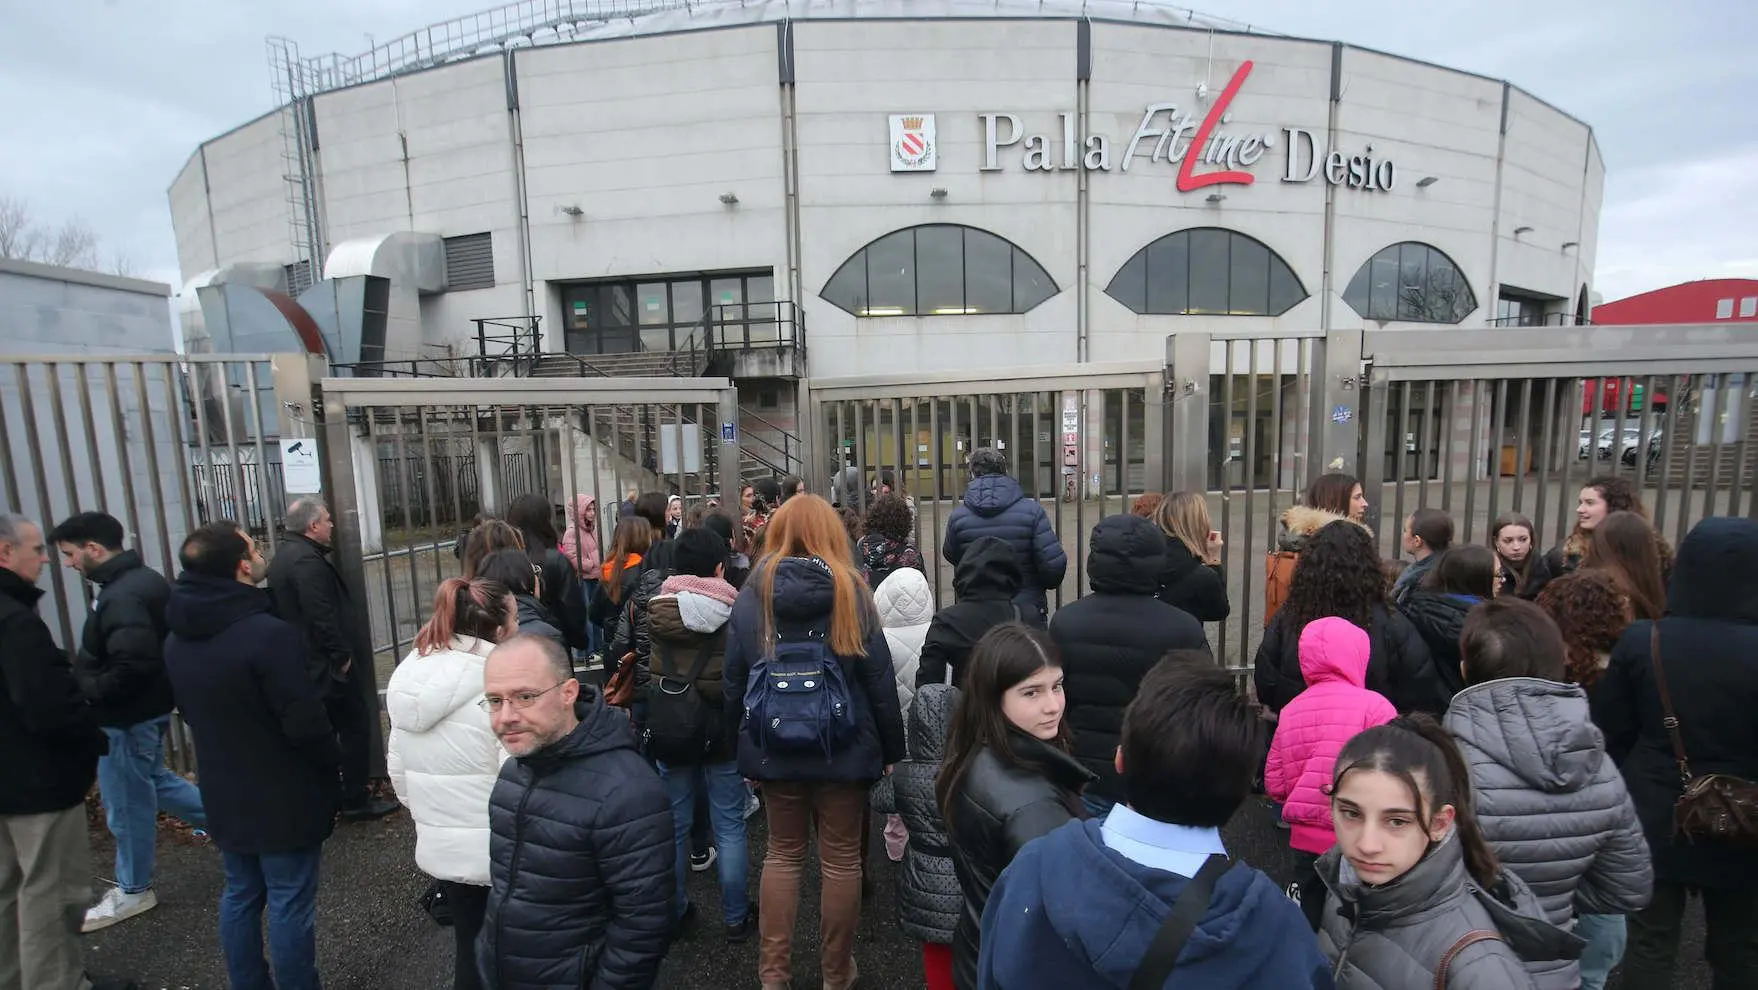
x=912 y=143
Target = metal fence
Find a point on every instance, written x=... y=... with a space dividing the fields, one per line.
x=451 y=494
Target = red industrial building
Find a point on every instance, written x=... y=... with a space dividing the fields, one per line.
x=1710 y=300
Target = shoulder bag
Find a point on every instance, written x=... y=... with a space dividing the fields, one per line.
x=619 y=688
x=1715 y=807
x=1465 y=941
x=1187 y=911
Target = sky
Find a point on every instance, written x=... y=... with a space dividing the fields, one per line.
x=103 y=101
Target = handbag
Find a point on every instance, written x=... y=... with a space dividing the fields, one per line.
x=1187 y=911
x=1714 y=807
x=619 y=688
x=433 y=901
x=1470 y=938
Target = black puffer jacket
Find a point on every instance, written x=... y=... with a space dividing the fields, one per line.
x=1000 y=805
x=1398 y=667
x=985 y=582
x=804 y=593
x=928 y=895
x=49 y=738
x=1439 y=618
x=581 y=860
x=995 y=505
x=121 y=664
x=1709 y=648
x=562 y=597
x=1111 y=639
x=1193 y=586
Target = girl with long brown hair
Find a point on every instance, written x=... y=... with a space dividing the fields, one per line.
x=806 y=603
x=1193 y=579
x=1626 y=547
x=628 y=544
x=1525 y=571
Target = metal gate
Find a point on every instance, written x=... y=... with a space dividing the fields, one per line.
x=413 y=460
x=162 y=442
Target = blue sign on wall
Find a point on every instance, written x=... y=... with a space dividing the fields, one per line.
x=729 y=432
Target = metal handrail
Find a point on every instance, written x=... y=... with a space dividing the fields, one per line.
x=1546 y=320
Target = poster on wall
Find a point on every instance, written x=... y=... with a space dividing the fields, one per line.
x=299 y=470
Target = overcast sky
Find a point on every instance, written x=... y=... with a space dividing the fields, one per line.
x=102 y=101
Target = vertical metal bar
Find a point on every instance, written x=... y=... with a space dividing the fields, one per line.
x=1523 y=449
x=1280 y=446
x=1448 y=424
x=451 y=459
x=433 y=502
x=595 y=449
x=1548 y=441
x=1670 y=430
x=404 y=483
x=1566 y=489
x=1398 y=461
x=1498 y=428
x=179 y=449
x=1123 y=486
x=1475 y=454
x=207 y=478
x=1711 y=490
x=39 y=468
x=841 y=458
x=9 y=470
x=911 y=484
x=860 y=457
x=1377 y=411
x=1695 y=413
x=1251 y=386
x=63 y=440
x=1226 y=483
x=1428 y=451
x=1080 y=527
x=125 y=463
x=238 y=505
x=1744 y=402
x=264 y=492
x=897 y=438
x=83 y=380
x=1644 y=442
x=935 y=438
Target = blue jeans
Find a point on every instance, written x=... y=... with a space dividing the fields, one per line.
x=1605 y=935
x=726 y=810
x=287 y=884
x=136 y=786
x=594 y=632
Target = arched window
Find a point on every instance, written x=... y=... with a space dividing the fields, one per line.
x=1411 y=283
x=1207 y=270
x=938 y=269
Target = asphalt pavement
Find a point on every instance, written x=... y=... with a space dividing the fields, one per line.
x=372 y=935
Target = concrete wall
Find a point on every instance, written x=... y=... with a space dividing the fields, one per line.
x=644 y=134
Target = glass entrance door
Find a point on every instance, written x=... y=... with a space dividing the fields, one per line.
x=600 y=319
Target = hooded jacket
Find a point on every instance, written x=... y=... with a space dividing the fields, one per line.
x=1392 y=937
x=985 y=584
x=995 y=505
x=535 y=620
x=906 y=607
x=1193 y=586
x=1072 y=912
x=1398 y=665
x=1110 y=639
x=561 y=596
x=580 y=538
x=444 y=758
x=581 y=857
x=1317 y=723
x=267 y=752
x=998 y=807
x=1410 y=582
x=928 y=896
x=1299 y=523
x=880 y=557
x=803 y=596
x=1439 y=618
x=688 y=613
x=1709 y=646
x=1551 y=803
x=49 y=738
x=121 y=666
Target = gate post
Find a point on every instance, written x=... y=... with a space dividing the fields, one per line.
x=1338 y=403
x=1186 y=441
x=732 y=475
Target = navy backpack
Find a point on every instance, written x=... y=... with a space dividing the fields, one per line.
x=797 y=699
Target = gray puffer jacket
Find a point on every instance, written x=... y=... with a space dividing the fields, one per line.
x=928 y=895
x=1551 y=803
x=1392 y=937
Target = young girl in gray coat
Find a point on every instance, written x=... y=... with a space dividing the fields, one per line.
x=1549 y=800
x=1417 y=899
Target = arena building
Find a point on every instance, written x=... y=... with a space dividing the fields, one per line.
x=904 y=186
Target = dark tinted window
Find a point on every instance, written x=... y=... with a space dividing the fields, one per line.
x=938 y=270
x=1207 y=270
x=1410 y=282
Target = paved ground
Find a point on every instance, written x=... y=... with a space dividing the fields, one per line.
x=373 y=937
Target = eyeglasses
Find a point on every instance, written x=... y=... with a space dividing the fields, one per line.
x=520 y=702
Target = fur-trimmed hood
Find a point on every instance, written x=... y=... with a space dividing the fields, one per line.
x=1301 y=521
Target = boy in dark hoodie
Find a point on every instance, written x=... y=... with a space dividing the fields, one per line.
x=987 y=578
x=1080 y=906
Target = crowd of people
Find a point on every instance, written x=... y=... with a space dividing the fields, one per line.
x=1484 y=756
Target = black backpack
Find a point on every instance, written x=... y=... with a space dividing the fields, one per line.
x=680 y=725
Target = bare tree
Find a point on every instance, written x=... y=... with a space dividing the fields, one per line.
x=72 y=245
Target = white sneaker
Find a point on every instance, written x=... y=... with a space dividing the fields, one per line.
x=752 y=806
x=117 y=906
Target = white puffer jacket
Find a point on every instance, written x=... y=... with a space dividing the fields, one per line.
x=906 y=606
x=444 y=758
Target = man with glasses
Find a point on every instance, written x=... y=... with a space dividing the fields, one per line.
x=267 y=753
x=588 y=824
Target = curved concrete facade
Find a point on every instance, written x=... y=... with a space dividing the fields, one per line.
x=615 y=156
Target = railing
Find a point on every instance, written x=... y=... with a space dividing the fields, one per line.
x=743 y=326
x=791 y=450
x=1541 y=320
x=516 y=340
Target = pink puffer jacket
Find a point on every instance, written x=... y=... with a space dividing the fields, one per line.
x=1315 y=725
x=580 y=539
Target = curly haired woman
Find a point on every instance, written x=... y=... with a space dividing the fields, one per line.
x=886 y=546
x=1593 y=612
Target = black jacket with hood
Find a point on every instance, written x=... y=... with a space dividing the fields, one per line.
x=49 y=738
x=1398 y=667
x=1111 y=638
x=1439 y=618
x=986 y=580
x=267 y=752
x=536 y=620
x=1709 y=649
x=121 y=665
x=1195 y=587
x=580 y=863
x=928 y=896
x=995 y=505
x=562 y=596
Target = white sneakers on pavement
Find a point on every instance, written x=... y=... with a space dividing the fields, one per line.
x=117 y=906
